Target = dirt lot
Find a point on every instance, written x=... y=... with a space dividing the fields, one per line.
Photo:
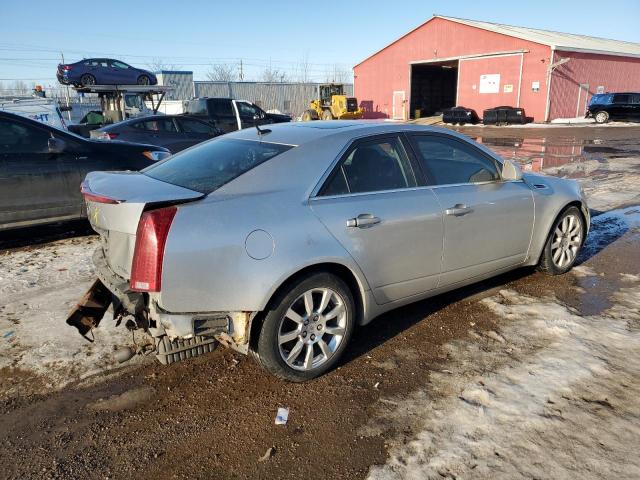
x=523 y=376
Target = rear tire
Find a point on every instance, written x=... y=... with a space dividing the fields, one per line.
x=144 y=80
x=307 y=330
x=87 y=80
x=327 y=115
x=564 y=243
x=601 y=117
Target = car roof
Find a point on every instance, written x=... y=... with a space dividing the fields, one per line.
x=299 y=133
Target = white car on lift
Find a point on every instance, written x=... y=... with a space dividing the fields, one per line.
x=45 y=110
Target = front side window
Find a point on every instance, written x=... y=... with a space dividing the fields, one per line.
x=372 y=166
x=210 y=165
x=120 y=65
x=19 y=138
x=247 y=110
x=447 y=161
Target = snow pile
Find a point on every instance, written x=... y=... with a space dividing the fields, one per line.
x=557 y=399
x=38 y=287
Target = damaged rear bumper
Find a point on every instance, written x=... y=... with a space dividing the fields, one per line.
x=177 y=336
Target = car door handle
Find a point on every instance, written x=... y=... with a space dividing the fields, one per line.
x=458 y=210
x=363 y=220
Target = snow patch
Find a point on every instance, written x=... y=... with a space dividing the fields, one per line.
x=38 y=287
x=557 y=400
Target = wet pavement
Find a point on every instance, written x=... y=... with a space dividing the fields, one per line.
x=213 y=417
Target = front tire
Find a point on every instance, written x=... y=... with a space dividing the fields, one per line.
x=564 y=243
x=308 y=329
x=601 y=117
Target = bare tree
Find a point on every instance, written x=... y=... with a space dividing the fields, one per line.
x=222 y=72
x=273 y=75
x=338 y=74
x=20 y=88
x=302 y=69
x=158 y=65
x=2 y=90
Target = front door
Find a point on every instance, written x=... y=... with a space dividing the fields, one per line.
x=391 y=228
x=487 y=222
x=34 y=184
x=398 y=105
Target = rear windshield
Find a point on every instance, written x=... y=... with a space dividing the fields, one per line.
x=210 y=165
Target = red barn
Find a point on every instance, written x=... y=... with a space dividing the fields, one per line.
x=448 y=62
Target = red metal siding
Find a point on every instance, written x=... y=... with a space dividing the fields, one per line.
x=388 y=70
x=469 y=82
x=615 y=74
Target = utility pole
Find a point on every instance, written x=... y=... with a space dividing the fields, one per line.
x=241 y=71
x=67 y=91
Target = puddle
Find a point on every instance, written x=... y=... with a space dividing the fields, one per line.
x=538 y=154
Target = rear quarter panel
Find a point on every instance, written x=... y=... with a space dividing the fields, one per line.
x=207 y=266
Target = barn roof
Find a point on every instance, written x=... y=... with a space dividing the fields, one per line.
x=557 y=40
x=560 y=41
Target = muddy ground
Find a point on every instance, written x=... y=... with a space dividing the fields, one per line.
x=522 y=376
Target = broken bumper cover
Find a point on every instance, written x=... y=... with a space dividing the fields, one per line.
x=177 y=335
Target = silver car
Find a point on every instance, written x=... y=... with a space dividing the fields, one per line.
x=280 y=241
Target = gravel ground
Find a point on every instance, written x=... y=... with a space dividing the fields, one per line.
x=522 y=376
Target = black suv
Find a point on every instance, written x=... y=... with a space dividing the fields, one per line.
x=614 y=106
x=42 y=167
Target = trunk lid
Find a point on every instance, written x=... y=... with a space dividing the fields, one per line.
x=115 y=202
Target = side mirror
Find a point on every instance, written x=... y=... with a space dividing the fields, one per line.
x=511 y=171
x=56 y=145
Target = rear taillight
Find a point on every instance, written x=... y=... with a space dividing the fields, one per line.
x=66 y=68
x=94 y=197
x=146 y=268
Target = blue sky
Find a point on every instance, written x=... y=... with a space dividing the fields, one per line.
x=192 y=35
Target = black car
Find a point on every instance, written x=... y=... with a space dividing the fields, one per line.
x=614 y=106
x=229 y=115
x=175 y=132
x=42 y=167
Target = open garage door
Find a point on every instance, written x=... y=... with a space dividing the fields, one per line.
x=433 y=88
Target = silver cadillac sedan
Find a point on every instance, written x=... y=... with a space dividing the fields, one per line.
x=281 y=241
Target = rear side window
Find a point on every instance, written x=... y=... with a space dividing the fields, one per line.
x=160 y=125
x=372 y=166
x=447 y=161
x=221 y=107
x=194 y=126
x=210 y=165
x=621 y=98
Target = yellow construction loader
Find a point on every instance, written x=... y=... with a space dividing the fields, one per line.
x=332 y=104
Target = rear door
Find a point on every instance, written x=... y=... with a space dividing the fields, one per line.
x=34 y=184
x=621 y=106
x=393 y=229
x=487 y=221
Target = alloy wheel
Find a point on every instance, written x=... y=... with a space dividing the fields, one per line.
x=312 y=329
x=567 y=239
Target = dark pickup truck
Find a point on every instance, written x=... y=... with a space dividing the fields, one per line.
x=229 y=115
